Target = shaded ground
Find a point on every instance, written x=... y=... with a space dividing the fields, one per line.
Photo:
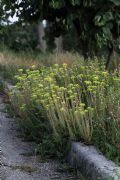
x=15 y=162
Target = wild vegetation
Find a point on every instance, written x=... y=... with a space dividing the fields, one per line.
x=62 y=102
x=69 y=96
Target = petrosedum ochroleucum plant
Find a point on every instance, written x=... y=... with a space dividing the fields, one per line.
x=72 y=98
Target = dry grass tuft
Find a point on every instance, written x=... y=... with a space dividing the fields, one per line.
x=61 y=58
x=17 y=61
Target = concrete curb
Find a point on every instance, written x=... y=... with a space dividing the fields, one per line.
x=92 y=164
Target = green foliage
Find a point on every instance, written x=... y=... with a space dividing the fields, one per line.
x=19 y=37
x=2 y=86
x=7 y=72
x=77 y=103
x=97 y=22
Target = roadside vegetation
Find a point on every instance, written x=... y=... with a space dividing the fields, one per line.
x=69 y=100
x=63 y=59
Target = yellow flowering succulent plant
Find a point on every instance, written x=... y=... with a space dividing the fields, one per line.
x=72 y=98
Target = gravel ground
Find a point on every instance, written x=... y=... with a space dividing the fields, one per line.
x=15 y=164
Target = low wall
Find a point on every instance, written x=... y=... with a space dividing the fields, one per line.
x=92 y=164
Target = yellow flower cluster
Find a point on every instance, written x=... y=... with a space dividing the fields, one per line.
x=72 y=98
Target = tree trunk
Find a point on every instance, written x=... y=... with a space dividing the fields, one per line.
x=82 y=43
x=41 y=34
x=59 y=45
x=110 y=53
